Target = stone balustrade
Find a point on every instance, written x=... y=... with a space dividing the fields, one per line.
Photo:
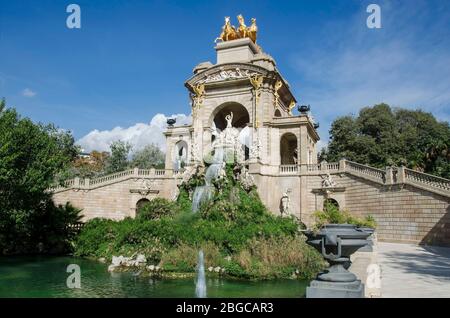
x=389 y=176
x=428 y=180
x=375 y=174
x=88 y=184
x=313 y=167
x=288 y=169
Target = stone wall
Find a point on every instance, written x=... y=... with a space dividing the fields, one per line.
x=116 y=200
x=404 y=213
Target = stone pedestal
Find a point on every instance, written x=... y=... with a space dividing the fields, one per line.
x=241 y=50
x=322 y=289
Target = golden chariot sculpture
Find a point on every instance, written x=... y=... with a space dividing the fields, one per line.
x=229 y=32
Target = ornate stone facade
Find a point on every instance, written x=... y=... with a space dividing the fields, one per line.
x=279 y=155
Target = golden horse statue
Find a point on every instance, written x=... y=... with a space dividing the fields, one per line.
x=229 y=32
x=242 y=29
x=252 y=31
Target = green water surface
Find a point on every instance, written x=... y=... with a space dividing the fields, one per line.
x=46 y=277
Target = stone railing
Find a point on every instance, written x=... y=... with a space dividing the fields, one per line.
x=111 y=177
x=288 y=169
x=398 y=176
x=332 y=165
x=425 y=179
x=388 y=176
x=375 y=174
x=313 y=167
x=88 y=184
x=316 y=168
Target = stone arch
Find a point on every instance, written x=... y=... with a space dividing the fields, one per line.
x=241 y=115
x=140 y=203
x=277 y=113
x=181 y=153
x=330 y=201
x=288 y=149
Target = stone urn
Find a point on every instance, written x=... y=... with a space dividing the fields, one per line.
x=171 y=122
x=370 y=245
x=336 y=243
x=304 y=108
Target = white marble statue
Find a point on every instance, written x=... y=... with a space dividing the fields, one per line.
x=328 y=182
x=229 y=119
x=285 y=202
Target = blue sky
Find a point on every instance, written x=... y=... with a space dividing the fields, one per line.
x=128 y=62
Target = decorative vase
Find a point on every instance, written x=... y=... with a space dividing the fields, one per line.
x=336 y=243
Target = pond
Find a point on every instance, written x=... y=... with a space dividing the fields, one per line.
x=46 y=277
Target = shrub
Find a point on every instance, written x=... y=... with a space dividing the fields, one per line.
x=156 y=209
x=279 y=257
x=332 y=215
x=184 y=257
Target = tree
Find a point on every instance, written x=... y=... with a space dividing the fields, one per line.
x=31 y=156
x=118 y=160
x=149 y=157
x=381 y=136
x=91 y=166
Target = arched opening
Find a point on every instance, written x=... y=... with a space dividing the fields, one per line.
x=140 y=204
x=240 y=120
x=277 y=113
x=288 y=149
x=330 y=203
x=181 y=155
x=240 y=116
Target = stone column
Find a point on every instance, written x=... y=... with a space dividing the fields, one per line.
x=303 y=145
x=303 y=197
x=342 y=163
x=389 y=175
x=401 y=174
x=169 y=152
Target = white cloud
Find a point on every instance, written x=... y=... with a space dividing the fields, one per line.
x=28 y=93
x=138 y=135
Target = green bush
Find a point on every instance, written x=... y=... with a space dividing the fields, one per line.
x=332 y=215
x=157 y=208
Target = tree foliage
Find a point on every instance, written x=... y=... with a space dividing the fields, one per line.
x=90 y=166
x=381 y=136
x=118 y=161
x=31 y=156
x=149 y=157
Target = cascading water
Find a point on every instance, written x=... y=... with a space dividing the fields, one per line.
x=205 y=193
x=200 y=286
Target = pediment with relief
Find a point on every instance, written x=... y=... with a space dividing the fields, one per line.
x=226 y=73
